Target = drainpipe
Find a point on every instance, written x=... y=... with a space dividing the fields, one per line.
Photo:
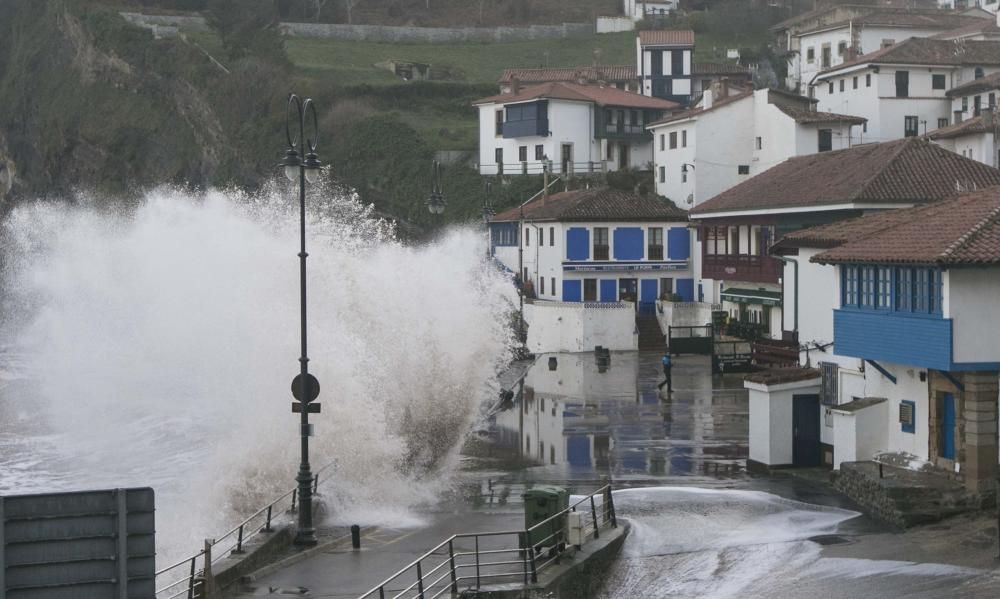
x=795 y=309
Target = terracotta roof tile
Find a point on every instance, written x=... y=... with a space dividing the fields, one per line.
x=975 y=86
x=599 y=204
x=611 y=73
x=927 y=51
x=971 y=126
x=840 y=232
x=602 y=96
x=719 y=68
x=698 y=111
x=801 y=115
x=980 y=26
x=961 y=231
x=911 y=170
x=671 y=37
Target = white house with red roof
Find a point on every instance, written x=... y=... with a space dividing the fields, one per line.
x=734 y=134
x=908 y=365
x=575 y=128
x=902 y=90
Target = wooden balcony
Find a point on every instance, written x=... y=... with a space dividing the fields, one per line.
x=740 y=267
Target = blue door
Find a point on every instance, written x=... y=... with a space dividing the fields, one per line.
x=647 y=296
x=948 y=426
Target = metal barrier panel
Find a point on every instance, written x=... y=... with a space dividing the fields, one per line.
x=81 y=545
x=690 y=340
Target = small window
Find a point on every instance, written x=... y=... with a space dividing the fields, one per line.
x=978 y=73
x=552 y=236
x=654 y=249
x=855 y=83
x=541 y=236
x=541 y=289
x=911 y=126
x=590 y=290
x=965 y=104
x=841 y=85
x=663 y=142
x=552 y=288
x=825 y=140
x=942 y=123
x=937 y=82
x=908 y=416
x=841 y=48
x=673 y=140
x=527 y=236
x=663 y=174
x=830 y=90
x=992 y=100
x=743 y=169
x=888 y=42
x=684 y=138
x=684 y=174
x=522 y=153
x=902 y=84
x=864 y=127
x=499 y=123
x=600 y=243
x=758 y=142
x=811 y=55
x=868 y=80
x=539 y=152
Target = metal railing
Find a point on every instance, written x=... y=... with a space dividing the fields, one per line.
x=467 y=561
x=537 y=167
x=186 y=579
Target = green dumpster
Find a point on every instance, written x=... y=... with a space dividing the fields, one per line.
x=540 y=504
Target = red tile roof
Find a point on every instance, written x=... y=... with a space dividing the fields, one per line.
x=802 y=115
x=963 y=231
x=599 y=204
x=602 y=96
x=611 y=73
x=987 y=26
x=911 y=170
x=983 y=123
x=672 y=37
x=778 y=376
x=975 y=86
x=699 y=111
x=925 y=19
x=840 y=232
x=927 y=51
x=719 y=68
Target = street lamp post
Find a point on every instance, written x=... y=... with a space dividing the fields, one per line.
x=302 y=163
x=488 y=214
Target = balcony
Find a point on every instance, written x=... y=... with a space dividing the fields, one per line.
x=616 y=129
x=913 y=340
x=741 y=267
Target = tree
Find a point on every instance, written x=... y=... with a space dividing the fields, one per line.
x=350 y=6
x=248 y=28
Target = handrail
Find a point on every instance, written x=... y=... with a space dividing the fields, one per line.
x=452 y=562
x=194 y=577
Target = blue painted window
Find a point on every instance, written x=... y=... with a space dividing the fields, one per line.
x=679 y=243
x=868 y=287
x=685 y=289
x=849 y=286
x=609 y=290
x=899 y=289
x=577 y=243
x=628 y=243
x=883 y=297
x=526 y=120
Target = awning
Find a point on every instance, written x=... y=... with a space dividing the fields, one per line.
x=751 y=296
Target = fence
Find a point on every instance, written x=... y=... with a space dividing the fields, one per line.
x=467 y=561
x=185 y=579
x=592 y=167
x=690 y=339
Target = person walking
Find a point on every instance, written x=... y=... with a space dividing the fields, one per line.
x=666 y=372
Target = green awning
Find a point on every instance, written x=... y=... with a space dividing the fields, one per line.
x=752 y=296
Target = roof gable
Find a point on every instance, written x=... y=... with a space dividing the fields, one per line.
x=905 y=171
x=669 y=37
x=598 y=204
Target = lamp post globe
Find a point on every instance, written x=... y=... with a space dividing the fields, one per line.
x=300 y=113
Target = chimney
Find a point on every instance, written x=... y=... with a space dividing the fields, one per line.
x=515 y=85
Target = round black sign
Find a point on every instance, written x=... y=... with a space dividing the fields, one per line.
x=312 y=388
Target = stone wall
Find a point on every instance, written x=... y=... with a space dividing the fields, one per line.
x=380 y=33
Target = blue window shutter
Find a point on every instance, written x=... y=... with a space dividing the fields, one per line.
x=628 y=243
x=679 y=243
x=685 y=289
x=571 y=291
x=609 y=290
x=577 y=243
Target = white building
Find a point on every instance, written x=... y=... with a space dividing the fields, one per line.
x=910 y=366
x=738 y=227
x=760 y=129
x=638 y=10
x=664 y=60
x=902 y=90
x=974 y=132
x=578 y=128
x=831 y=36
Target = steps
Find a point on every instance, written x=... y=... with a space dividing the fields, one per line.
x=650 y=335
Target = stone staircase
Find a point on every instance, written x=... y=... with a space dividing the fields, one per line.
x=650 y=335
x=903 y=497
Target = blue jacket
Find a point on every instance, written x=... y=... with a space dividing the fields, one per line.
x=666 y=360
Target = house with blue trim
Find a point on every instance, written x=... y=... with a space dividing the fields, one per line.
x=598 y=246
x=913 y=364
